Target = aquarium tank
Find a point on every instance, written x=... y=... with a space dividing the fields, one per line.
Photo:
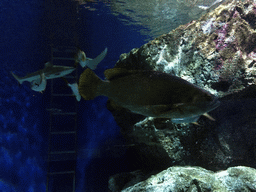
x=127 y=95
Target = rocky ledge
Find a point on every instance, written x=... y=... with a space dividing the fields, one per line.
x=189 y=179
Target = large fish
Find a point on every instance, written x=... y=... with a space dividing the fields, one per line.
x=149 y=93
x=50 y=71
x=91 y=63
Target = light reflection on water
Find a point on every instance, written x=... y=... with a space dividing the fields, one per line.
x=153 y=17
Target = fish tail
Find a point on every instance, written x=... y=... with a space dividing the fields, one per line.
x=92 y=64
x=17 y=78
x=88 y=84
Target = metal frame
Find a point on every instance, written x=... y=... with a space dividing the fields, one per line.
x=65 y=158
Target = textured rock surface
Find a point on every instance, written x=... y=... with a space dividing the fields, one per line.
x=194 y=179
x=217 y=53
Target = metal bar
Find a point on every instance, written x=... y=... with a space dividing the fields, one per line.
x=65 y=49
x=65 y=113
x=61 y=152
x=62 y=95
x=63 y=58
x=49 y=136
x=59 y=173
x=60 y=133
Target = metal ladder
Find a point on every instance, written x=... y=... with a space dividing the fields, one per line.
x=62 y=146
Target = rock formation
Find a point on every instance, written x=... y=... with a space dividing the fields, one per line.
x=217 y=53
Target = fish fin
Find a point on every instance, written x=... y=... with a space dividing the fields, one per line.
x=195 y=123
x=48 y=64
x=92 y=64
x=209 y=116
x=185 y=120
x=17 y=78
x=88 y=84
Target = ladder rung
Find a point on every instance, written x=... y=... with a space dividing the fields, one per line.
x=64 y=49
x=64 y=113
x=62 y=152
x=66 y=132
x=58 y=173
x=63 y=58
x=62 y=95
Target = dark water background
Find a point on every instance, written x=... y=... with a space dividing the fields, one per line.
x=28 y=30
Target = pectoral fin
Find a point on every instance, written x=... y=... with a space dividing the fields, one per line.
x=209 y=116
x=186 y=120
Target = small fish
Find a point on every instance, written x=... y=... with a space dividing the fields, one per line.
x=91 y=63
x=50 y=71
x=39 y=84
x=149 y=93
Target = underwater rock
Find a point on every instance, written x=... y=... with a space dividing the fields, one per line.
x=123 y=180
x=217 y=53
x=193 y=179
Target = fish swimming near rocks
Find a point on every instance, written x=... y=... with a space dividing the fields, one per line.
x=39 y=84
x=81 y=58
x=50 y=71
x=149 y=93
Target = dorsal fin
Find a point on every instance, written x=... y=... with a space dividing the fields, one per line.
x=48 y=64
x=118 y=72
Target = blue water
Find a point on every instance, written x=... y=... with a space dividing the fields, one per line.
x=25 y=46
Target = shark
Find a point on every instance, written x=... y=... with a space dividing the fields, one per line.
x=81 y=58
x=39 y=84
x=50 y=71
